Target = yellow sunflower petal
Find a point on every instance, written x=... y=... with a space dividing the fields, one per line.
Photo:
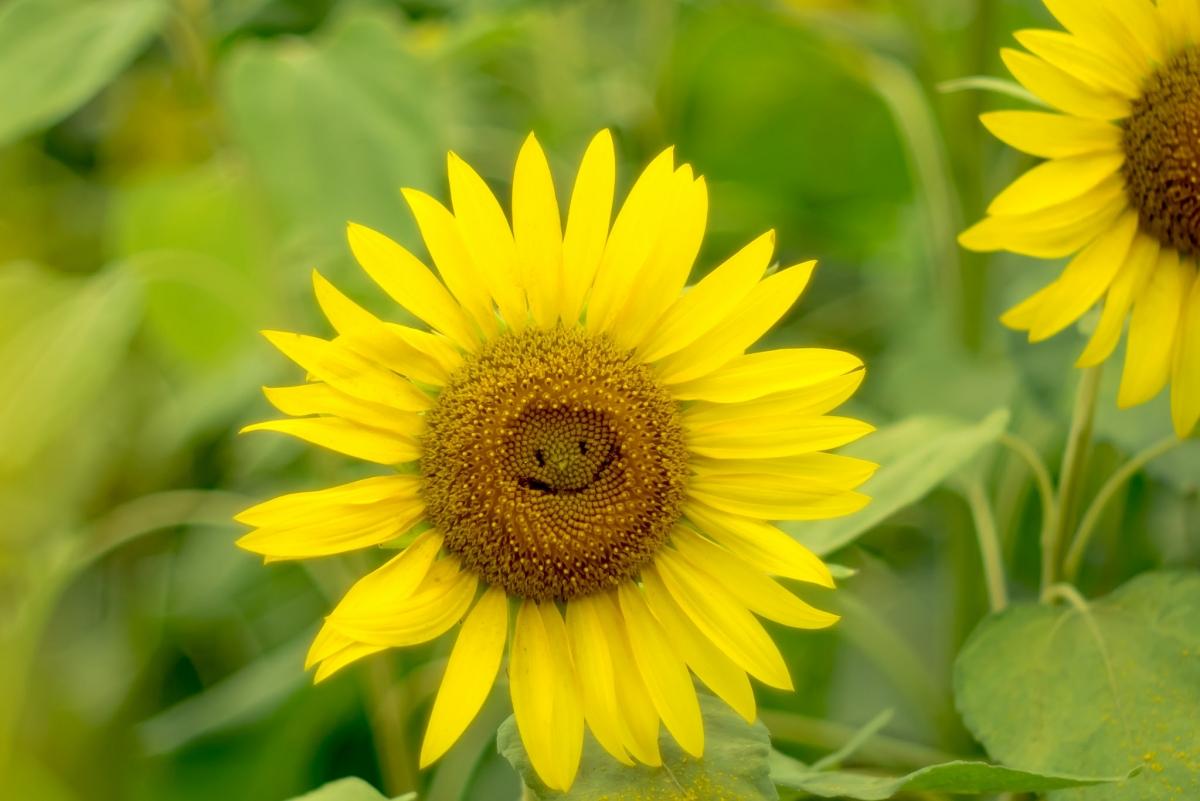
x=809 y=402
x=759 y=374
x=1181 y=22
x=598 y=684
x=444 y=241
x=1056 y=182
x=760 y=594
x=343 y=436
x=750 y=319
x=762 y=545
x=396 y=580
x=411 y=284
x=723 y=619
x=587 y=223
x=1121 y=30
x=636 y=231
x=1071 y=55
x=438 y=603
x=663 y=670
x=373 y=339
x=1061 y=90
x=435 y=346
x=773 y=497
x=470 y=673
x=488 y=239
x=1085 y=280
x=710 y=664
x=775 y=436
x=307 y=399
x=1152 y=331
x=348 y=372
x=1185 y=383
x=299 y=507
x=345 y=656
x=639 y=720
x=710 y=301
x=548 y=716
x=1052 y=136
x=537 y=230
x=1129 y=283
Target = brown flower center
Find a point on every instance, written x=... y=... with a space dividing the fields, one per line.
x=554 y=463
x=1162 y=153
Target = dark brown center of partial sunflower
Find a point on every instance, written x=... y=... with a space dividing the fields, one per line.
x=553 y=463
x=1162 y=153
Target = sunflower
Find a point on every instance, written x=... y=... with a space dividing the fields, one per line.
x=1120 y=190
x=581 y=452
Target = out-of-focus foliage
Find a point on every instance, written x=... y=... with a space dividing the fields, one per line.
x=172 y=170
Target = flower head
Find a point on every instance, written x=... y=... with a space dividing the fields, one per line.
x=1120 y=189
x=576 y=438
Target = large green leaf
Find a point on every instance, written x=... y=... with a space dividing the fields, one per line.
x=915 y=456
x=55 y=55
x=349 y=789
x=952 y=777
x=1095 y=690
x=734 y=765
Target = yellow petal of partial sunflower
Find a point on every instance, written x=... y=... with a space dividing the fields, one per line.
x=348 y=372
x=436 y=346
x=756 y=375
x=539 y=698
x=1129 y=283
x=713 y=299
x=772 y=497
x=411 y=284
x=447 y=248
x=1152 y=331
x=344 y=657
x=1085 y=280
x=809 y=402
x=776 y=436
x=322 y=399
x=1181 y=23
x=760 y=593
x=665 y=273
x=299 y=507
x=663 y=670
x=1061 y=90
x=760 y=544
x=587 y=224
x=598 y=686
x=390 y=619
x=1054 y=232
x=567 y=723
x=710 y=664
x=636 y=231
x=537 y=231
x=470 y=674
x=750 y=319
x=488 y=239
x=1052 y=136
x=639 y=719
x=1185 y=382
x=371 y=338
x=343 y=436
x=1055 y=182
x=846 y=472
x=1071 y=55
x=1121 y=30
x=723 y=619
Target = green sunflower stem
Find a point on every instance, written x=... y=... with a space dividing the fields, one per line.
x=1095 y=511
x=1074 y=460
x=989 y=545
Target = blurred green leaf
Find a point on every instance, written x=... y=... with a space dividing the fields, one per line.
x=956 y=778
x=55 y=55
x=734 y=765
x=1105 y=687
x=349 y=789
x=915 y=456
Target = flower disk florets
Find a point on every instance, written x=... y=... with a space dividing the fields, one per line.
x=1162 y=153
x=554 y=463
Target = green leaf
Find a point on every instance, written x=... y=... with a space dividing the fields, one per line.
x=1097 y=689
x=349 y=789
x=54 y=56
x=734 y=766
x=965 y=778
x=915 y=456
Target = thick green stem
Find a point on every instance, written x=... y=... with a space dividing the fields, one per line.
x=1074 y=459
x=386 y=710
x=1116 y=481
x=989 y=545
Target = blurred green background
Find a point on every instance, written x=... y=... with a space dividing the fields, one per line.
x=172 y=170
